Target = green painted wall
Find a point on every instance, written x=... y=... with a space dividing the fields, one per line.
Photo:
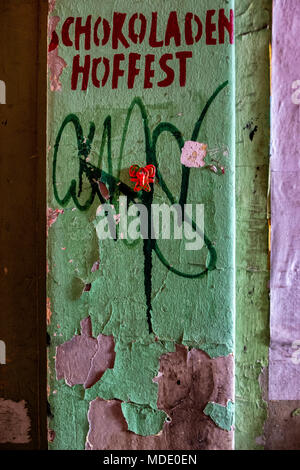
x=189 y=295
x=253 y=35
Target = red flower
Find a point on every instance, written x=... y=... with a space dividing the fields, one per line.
x=142 y=177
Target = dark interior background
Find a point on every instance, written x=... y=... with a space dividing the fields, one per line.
x=23 y=48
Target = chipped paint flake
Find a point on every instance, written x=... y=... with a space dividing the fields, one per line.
x=95 y=266
x=49 y=312
x=143 y=420
x=52 y=215
x=84 y=359
x=56 y=64
x=51 y=5
x=296 y=413
x=221 y=415
x=187 y=380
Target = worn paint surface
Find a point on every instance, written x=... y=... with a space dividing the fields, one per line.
x=84 y=359
x=223 y=416
x=142 y=294
x=253 y=26
x=14 y=422
x=143 y=421
x=284 y=375
x=187 y=381
x=282 y=427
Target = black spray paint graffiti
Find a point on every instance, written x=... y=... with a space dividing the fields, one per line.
x=95 y=175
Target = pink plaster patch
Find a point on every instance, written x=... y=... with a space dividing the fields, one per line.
x=102 y=360
x=52 y=215
x=14 y=422
x=84 y=359
x=193 y=154
x=187 y=381
x=49 y=312
x=51 y=5
x=95 y=266
x=56 y=64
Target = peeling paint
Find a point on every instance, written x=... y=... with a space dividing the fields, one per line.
x=51 y=5
x=51 y=435
x=296 y=413
x=52 y=215
x=84 y=359
x=162 y=305
x=143 y=420
x=131 y=378
x=95 y=266
x=48 y=311
x=282 y=429
x=56 y=64
x=187 y=380
x=223 y=416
